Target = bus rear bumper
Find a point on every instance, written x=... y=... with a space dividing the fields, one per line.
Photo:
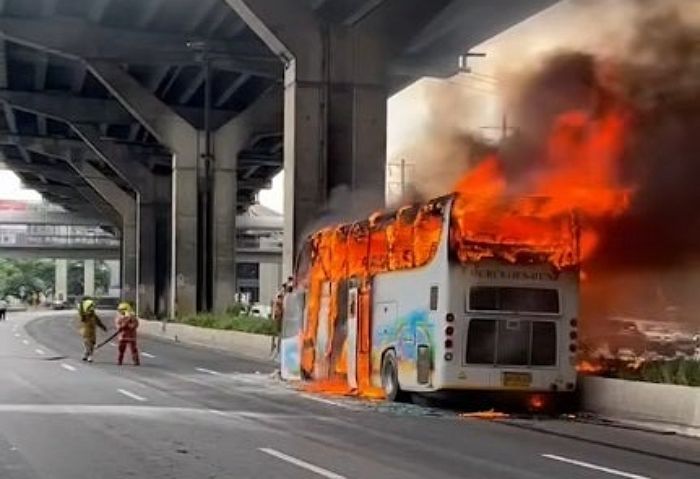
x=534 y=402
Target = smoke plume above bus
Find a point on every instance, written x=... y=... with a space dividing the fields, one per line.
x=611 y=133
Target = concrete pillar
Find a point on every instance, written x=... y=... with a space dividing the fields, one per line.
x=183 y=140
x=114 y=278
x=126 y=206
x=187 y=145
x=89 y=277
x=147 y=259
x=269 y=281
x=61 y=280
x=334 y=108
x=335 y=134
x=263 y=116
x=149 y=191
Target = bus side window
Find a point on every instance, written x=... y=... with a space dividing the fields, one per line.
x=433 y=298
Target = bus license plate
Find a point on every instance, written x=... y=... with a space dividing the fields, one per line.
x=517 y=380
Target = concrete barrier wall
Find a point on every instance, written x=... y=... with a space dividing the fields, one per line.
x=253 y=346
x=642 y=401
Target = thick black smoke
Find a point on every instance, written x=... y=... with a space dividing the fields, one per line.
x=662 y=228
x=657 y=79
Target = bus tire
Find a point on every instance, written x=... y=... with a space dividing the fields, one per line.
x=390 y=378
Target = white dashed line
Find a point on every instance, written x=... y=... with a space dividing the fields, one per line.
x=208 y=371
x=299 y=463
x=322 y=400
x=595 y=467
x=131 y=395
x=17 y=335
x=67 y=367
x=39 y=351
x=147 y=355
x=25 y=342
x=112 y=343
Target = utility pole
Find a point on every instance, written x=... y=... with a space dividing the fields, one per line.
x=504 y=127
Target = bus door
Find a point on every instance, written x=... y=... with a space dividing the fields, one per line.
x=352 y=329
x=338 y=352
x=322 y=368
x=292 y=326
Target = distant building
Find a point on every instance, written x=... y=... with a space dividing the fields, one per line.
x=259 y=238
x=259 y=234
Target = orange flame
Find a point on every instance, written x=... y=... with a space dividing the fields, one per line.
x=491 y=218
x=588 y=367
x=579 y=174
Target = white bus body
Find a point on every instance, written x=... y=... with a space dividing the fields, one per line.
x=486 y=325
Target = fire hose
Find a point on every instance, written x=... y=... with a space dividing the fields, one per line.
x=109 y=338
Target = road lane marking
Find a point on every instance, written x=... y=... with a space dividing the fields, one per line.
x=299 y=463
x=17 y=335
x=131 y=395
x=208 y=371
x=67 y=367
x=595 y=467
x=326 y=401
x=25 y=342
x=112 y=343
x=39 y=351
x=147 y=355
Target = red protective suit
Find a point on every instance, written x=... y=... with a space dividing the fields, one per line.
x=127 y=324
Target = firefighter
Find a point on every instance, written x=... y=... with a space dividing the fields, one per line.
x=278 y=314
x=89 y=322
x=127 y=323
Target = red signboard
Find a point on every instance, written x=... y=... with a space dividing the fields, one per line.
x=12 y=205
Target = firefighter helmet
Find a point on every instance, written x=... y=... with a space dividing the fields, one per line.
x=125 y=307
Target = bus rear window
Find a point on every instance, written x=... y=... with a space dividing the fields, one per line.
x=512 y=342
x=525 y=300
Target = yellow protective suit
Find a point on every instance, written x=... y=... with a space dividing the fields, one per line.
x=89 y=322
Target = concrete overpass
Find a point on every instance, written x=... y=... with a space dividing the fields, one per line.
x=43 y=213
x=165 y=117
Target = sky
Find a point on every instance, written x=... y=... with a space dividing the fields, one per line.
x=409 y=110
x=11 y=188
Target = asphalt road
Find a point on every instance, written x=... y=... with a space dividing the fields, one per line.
x=196 y=414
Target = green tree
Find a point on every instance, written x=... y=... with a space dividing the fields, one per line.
x=22 y=278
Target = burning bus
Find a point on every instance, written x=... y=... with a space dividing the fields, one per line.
x=458 y=293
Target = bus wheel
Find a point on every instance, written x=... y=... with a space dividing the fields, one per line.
x=390 y=378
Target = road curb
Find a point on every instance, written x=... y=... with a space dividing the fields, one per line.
x=252 y=346
x=663 y=407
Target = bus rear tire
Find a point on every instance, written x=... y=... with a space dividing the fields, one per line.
x=390 y=379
